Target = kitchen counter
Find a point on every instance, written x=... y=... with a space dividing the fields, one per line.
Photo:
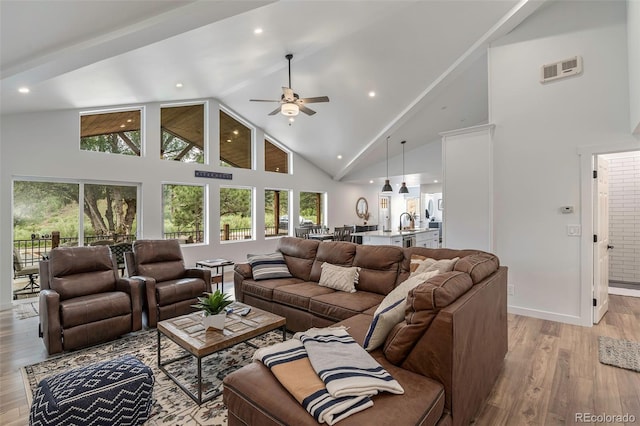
x=423 y=237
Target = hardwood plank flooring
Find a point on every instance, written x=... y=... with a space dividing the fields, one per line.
x=551 y=371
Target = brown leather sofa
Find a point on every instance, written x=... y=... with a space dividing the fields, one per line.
x=169 y=288
x=83 y=301
x=447 y=353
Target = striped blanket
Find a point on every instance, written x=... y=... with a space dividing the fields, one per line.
x=290 y=364
x=343 y=365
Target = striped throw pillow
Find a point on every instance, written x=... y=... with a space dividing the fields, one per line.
x=267 y=266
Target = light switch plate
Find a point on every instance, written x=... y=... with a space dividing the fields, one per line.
x=574 y=230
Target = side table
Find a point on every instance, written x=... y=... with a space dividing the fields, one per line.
x=219 y=265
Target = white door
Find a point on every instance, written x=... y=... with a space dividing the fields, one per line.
x=384 y=212
x=601 y=247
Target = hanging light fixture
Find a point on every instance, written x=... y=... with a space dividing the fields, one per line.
x=387 y=186
x=403 y=188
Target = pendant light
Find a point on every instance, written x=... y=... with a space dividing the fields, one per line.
x=403 y=188
x=387 y=186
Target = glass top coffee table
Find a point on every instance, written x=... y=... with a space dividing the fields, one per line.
x=188 y=332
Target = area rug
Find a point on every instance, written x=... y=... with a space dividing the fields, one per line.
x=619 y=353
x=25 y=310
x=171 y=406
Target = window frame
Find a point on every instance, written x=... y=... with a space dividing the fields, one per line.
x=205 y=210
x=140 y=108
x=284 y=149
x=205 y=131
x=252 y=209
x=252 y=141
x=288 y=213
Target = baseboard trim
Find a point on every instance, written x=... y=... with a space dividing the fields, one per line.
x=545 y=315
x=619 y=291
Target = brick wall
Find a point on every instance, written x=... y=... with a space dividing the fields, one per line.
x=624 y=218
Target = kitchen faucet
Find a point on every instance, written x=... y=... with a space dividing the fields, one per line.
x=410 y=219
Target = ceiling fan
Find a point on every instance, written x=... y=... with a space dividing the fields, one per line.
x=290 y=103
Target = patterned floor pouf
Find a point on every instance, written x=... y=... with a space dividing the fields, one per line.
x=115 y=392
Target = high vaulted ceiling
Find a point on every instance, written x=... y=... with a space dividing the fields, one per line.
x=425 y=61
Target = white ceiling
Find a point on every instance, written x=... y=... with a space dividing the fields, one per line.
x=425 y=60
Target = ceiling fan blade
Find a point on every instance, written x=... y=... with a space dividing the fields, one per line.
x=314 y=100
x=288 y=94
x=306 y=110
x=275 y=111
x=263 y=100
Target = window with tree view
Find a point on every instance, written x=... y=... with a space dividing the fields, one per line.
x=276 y=212
x=182 y=133
x=235 y=214
x=112 y=132
x=184 y=212
x=110 y=213
x=311 y=208
x=235 y=143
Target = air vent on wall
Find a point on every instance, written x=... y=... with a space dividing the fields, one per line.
x=561 y=69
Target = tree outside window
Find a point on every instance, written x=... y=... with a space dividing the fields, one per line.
x=311 y=207
x=276 y=212
x=184 y=212
x=235 y=213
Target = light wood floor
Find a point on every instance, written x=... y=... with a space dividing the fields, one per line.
x=551 y=371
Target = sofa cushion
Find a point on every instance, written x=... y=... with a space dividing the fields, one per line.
x=299 y=253
x=426 y=264
x=339 y=277
x=172 y=291
x=339 y=305
x=94 y=307
x=264 y=289
x=334 y=252
x=391 y=310
x=298 y=295
x=422 y=305
x=478 y=266
x=379 y=267
x=268 y=266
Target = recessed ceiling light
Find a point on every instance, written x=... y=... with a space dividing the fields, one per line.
x=435 y=181
x=122 y=126
x=129 y=120
x=257 y=31
x=235 y=132
x=371 y=181
x=228 y=140
x=339 y=157
x=277 y=169
x=372 y=94
x=24 y=90
x=291 y=119
x=178 y=85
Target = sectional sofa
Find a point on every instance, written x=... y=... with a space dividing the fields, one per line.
x=446 y=354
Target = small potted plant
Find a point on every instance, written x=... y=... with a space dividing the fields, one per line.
x=213 y=304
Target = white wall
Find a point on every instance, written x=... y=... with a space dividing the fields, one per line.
x=624 y=217
x=46 y=145
x=539 y=129
x=633 y=47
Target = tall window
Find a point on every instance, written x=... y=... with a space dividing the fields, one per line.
x=112 y=132
x=276 y=212
x=184 y=212
x=110 y=213
x=275 y=158
x=235 y=214
x=235 y=143
x=311 y=207
x=182 y=133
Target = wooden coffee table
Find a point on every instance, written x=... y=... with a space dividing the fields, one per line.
x=188 y=332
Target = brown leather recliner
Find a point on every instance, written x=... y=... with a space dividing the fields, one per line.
x=83 y=301
x=171 y=288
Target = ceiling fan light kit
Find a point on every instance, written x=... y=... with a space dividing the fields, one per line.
x=290 y=110
x=290 y=103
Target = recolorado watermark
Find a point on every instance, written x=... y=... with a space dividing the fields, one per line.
x=604 y=418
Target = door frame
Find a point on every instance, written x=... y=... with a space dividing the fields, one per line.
x=587 y=201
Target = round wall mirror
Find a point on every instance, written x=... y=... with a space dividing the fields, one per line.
x=362 y=208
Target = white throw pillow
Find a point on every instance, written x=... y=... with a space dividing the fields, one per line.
x=339 y=277
x=419 y=264
x=391 y=310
